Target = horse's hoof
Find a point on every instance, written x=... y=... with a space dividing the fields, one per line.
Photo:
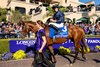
x=70 y=64
x=84 y=58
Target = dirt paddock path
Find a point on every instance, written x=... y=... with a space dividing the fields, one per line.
x=93 y=60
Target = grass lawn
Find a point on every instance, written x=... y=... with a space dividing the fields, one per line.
x=4 y=45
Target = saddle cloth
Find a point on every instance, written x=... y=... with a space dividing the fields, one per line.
x=63 y=32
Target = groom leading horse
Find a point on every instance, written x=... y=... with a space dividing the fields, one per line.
x=75 y=33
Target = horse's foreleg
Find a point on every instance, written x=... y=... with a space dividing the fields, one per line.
x=53 y=59
x=76 y=54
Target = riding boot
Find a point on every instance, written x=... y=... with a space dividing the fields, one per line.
x=56 y=29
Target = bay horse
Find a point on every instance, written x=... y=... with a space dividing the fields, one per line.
x=75 y=33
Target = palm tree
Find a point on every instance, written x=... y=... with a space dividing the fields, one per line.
x=16 y=16
x=3 y=12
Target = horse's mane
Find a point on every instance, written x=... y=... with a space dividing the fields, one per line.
x=31 y=22
x=42 y=24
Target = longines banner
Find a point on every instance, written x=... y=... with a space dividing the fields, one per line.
x=26 y=44
x=16 y=45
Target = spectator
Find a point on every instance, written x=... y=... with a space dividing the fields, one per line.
x=12 y=32
x=78 y=8
x=1 y=32
x=86 y=29
x=91 y=28
x=97 y=29
x=6 y=32
x=17 y=31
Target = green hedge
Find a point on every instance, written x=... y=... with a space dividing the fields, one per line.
x=4 y=45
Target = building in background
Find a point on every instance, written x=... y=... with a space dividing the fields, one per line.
x=26 y=7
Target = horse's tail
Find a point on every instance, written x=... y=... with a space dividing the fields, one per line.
x=85 y=43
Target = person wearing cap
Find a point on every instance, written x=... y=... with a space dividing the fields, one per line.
x=58 y=17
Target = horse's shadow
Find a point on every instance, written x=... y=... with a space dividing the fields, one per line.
x=96 y=60
x=71 y=55
x=68 y=56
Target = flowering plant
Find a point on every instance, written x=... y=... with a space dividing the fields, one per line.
x=20 y=54
x=87 y=50
x=64 y=50
x=97 y=47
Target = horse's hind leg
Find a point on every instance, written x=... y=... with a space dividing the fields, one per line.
x=77 y=46
x=53 y=59
x=84 y=44
x=76 y=54
x=83 y=56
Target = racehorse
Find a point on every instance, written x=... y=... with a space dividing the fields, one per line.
x=75 y=33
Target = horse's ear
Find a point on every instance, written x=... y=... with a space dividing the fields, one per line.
x=41 y=23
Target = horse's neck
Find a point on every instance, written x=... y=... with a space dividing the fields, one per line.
x=47 y=28
x=46 y=25
x=71 y=26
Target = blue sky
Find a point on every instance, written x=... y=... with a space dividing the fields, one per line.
x=96 y=1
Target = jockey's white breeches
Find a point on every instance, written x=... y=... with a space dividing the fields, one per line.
x=57 y=25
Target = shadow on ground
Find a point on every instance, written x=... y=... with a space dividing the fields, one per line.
x=96 y=60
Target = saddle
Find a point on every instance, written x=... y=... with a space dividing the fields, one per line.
x=58 y=32
x=55 y=28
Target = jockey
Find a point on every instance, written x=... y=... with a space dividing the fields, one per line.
x=58 y=18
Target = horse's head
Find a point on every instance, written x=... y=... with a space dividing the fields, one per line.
x=41 y=23
x=28 y=26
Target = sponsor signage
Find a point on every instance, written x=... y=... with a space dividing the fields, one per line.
x=26 y=44
x=16 y=45
x=92 y=42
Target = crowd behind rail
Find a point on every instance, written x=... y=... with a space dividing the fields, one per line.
x=9 y=30
x=90 y=29
x=12 y=30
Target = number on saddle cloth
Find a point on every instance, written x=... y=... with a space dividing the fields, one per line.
x=63 y=33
